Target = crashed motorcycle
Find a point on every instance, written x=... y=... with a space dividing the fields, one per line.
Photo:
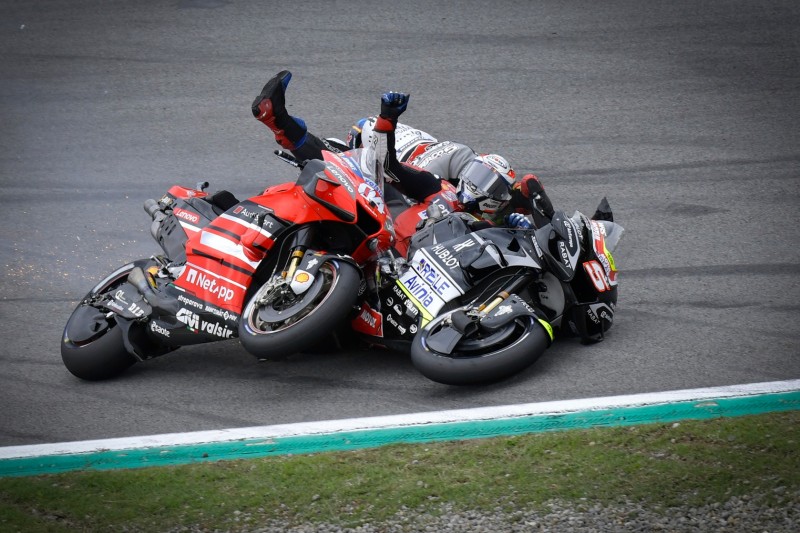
x=277 y=270
x=479 y=306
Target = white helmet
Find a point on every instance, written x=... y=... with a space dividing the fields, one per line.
x=500 y=164
x=482 y=187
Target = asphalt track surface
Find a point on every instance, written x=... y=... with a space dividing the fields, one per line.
x=685 y=114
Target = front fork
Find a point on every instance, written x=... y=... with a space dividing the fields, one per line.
x=300 y=243
x=517 y=282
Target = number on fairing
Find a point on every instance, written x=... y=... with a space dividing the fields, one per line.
x=372 y=196
x=597 y=275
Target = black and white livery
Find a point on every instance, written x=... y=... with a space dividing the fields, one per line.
x=478 y=306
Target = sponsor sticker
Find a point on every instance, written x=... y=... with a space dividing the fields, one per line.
x=193 y=321
x=186 y=215
x=157 y=328
x=368 y=321
x=209 y=284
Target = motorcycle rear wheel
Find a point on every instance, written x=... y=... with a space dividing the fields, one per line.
x=480 y=357
x=92 y=348
x=276 y=323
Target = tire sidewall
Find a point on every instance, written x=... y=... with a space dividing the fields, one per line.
x=105 y=356
x=486 y=368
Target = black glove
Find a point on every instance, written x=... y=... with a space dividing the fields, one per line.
x=393 y=104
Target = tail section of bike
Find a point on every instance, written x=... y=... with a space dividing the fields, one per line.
x=105 y=334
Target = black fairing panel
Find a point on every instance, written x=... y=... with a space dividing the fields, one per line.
x=443 y=230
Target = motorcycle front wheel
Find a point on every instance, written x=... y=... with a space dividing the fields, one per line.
x=276 y=322
x=480 y=356
x=91 y=345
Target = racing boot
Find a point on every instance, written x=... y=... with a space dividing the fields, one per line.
x=269 y=108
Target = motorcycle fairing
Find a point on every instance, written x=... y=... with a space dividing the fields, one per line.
x=421 y=290
x=329 y=193
x=127 y=302
x=253 y=225
x=392 y=317
x=500 y=247
x=443 y=272
x=605 y=237
x=551 y=297
x=222 y=257
x=329 y=187
x=560 y=243
x=401 y=315
x=590 y=321
x=443 y=230
x=195 y=321
x=368 y=321
x=409 y=217
x=433 y=279
x=591 y=295
x=212 y=280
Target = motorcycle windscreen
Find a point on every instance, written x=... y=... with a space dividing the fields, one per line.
x=330 y=187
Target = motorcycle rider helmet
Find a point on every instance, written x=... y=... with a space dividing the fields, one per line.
x=482 y=188
x=501 y=165
x=357 y=133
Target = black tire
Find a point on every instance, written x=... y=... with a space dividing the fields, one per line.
x=480 y=357
x=91 y=345
x=305 y=319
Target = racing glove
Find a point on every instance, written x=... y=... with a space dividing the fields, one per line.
x=393 y=104
x=517 y=221
x=532 y=189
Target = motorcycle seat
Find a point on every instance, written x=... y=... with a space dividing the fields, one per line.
x=221 y=201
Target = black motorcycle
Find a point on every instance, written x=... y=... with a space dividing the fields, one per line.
x=476 y=306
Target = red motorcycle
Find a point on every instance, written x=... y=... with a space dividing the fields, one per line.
x=279 y=270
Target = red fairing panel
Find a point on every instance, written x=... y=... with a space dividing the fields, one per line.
x=368 y=321
x=222 y=257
